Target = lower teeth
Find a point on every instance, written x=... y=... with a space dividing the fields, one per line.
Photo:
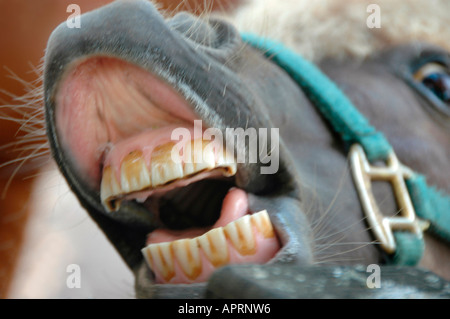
x=215 y=245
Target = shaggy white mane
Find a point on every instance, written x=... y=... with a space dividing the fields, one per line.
x=338 y=28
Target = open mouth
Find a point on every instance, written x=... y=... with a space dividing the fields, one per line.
x=116 y=123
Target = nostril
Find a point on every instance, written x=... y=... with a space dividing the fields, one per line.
x=213 y=37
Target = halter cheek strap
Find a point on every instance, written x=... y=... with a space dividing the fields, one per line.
x=421 y=206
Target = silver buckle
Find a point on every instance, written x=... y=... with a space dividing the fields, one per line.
x=395 y=173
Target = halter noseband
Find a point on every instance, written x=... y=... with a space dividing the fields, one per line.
x=422 y=207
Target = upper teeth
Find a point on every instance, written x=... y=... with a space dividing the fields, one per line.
x=136 y=175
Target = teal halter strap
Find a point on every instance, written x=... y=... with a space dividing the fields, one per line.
x=429 y=203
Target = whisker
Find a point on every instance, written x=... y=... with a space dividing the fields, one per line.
x=339 y=260
x=328 y=257
x=30 y=142
x=342 y=230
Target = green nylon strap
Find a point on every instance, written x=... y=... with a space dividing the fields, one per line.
x=353 y=127
x=409 y=249
x=430 y=204
x=345 y=119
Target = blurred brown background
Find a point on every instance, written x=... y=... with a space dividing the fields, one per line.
x=25 y=26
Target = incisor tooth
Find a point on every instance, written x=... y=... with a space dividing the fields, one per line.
x=134 y=175
x=159 y=257
x=187 y=254
x=263 y=224
x=109 y=187
x=240 y=233
x=197 y=157
x=226 y=161
x=163 y=168
x=214 y=245
x=207 y=162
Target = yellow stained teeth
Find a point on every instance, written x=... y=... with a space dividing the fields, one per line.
x=134 y=173
x=186 y=251
x=160 y=257
x=263 y=224
x=225 y=160
x=109 y=187
x=241 y=236
x=163 y=168
x=213 y=244
x=197 y=158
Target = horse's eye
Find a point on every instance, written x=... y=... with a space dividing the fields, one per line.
x=436 y=78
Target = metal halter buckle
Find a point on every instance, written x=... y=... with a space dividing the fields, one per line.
x=395 y=173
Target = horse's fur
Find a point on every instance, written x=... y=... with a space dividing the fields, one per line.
x=338 y=29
